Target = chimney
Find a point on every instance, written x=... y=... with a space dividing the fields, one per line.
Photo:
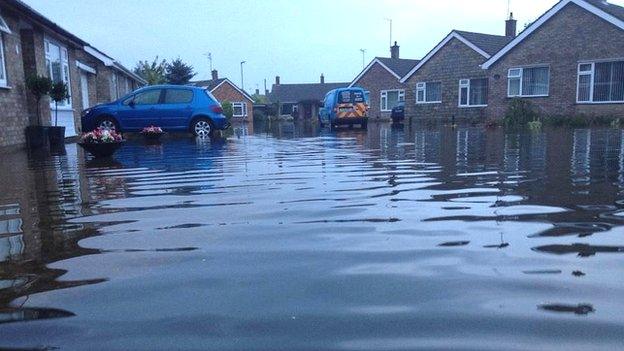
x=322 y=79
x=394 y=51
x=266 y=92
x=257 y=91
x=510 y=26
x=277 y=80
x=215 y=74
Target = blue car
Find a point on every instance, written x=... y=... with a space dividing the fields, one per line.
x=344 y=106
x=171 y=107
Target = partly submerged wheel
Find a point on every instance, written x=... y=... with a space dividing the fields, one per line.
x=202 y=128
x=108 y=123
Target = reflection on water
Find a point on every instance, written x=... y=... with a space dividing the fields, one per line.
x=285 y=236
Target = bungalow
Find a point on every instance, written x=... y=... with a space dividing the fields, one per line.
x=449 y=82
x=224 y=90
x=31 y=44
x=570 y=61
x=381 y=78
x=301 y=101
x=102 y=79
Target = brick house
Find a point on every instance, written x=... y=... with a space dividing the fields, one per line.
x=381 y=79
x=449 y=82
x=301 y=101
x=570 y=61
x=31 y=44
x=102 y=79
x=224 y=90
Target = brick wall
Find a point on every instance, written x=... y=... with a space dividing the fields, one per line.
x=571 y=36
x=14 y=112
x=451 y=63
x=226 y=92
x=375 y=80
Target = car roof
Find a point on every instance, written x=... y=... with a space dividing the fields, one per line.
x=170 y=86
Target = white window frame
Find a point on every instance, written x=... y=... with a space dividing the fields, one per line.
x=465 y=84
x=4 y=82
x=65 y=72
x=592 y=73
x=521 y=76
x=422 y=87
x=243 y=107
x=384 y=95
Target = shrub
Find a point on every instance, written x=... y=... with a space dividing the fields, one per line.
x=39 y=86
x=616 y=123
x=520 y=113
x=228 y=110
x=58 y=93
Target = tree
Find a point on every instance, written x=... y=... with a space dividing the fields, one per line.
x=58 y=93
x=154 y=72
x=228 y=110
x=178 y=72
x=39 y=86
x=260 y=99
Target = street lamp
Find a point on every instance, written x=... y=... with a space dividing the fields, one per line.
x=363 y=54
x=242 y=76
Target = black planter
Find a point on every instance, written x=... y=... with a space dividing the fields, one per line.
x=152 y=136
x=37 y=137
x=57 y=136
x=101 y=150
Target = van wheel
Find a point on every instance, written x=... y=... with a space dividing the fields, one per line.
x=202 y=127
x=107 y=123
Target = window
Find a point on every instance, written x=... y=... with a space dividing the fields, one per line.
x=3 y=76
x=391 y=98
x=600 y=82
x=149 y=97
x=178 y=96
x=528 y=82
x=428 y=93
x=57 y=63
x=240 y=109
x=287 y=109
x=473 y=92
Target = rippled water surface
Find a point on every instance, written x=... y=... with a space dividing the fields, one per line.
x=285 y=237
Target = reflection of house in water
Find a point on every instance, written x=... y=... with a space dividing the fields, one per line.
x=580 y=162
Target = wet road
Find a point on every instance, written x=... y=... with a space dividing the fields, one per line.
x=284 y=237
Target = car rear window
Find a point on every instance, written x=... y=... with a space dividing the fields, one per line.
x=351 y=96
x=178 y=96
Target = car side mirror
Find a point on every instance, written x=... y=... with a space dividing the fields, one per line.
x=131 y=103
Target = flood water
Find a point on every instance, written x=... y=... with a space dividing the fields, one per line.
x=286 y=237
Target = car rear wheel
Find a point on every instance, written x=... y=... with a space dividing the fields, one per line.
x=108 y=123
x=202 y=127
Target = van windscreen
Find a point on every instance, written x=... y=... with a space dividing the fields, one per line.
x=350 y=96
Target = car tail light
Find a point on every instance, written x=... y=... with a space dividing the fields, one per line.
x=216 y=109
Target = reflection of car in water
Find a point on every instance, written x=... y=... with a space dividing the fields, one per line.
x=398 y=112
x=172 y=107
x=344 y=106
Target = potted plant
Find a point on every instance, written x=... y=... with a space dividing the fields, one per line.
x=58 y=93
x=152 y=133
x=37 y=135
x=101 y=142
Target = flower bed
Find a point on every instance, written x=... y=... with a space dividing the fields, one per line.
x=152 y=132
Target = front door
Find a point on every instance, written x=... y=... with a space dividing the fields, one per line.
x=140 y=111
x=84 y=90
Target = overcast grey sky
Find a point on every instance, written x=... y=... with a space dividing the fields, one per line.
x=297 y=40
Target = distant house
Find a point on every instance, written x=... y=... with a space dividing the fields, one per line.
x=449 y=81
x=31 y=44
x=381 y=78
x=570 y=61
x=224 y=90
x=301 y=101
